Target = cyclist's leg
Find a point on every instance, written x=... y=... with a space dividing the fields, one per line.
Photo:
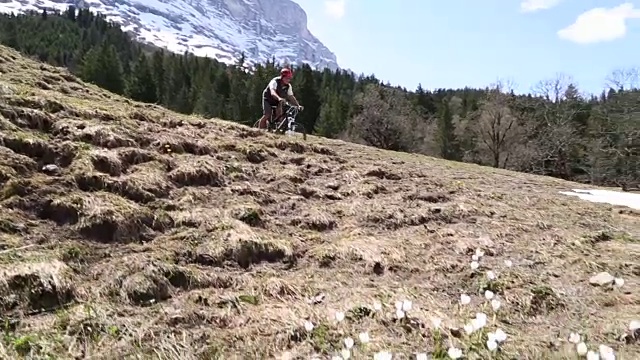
x=279 y=112
x=266 y=114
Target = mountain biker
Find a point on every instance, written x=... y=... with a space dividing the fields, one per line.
x=275 y=94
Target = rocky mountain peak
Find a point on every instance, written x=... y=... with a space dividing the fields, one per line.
x=220 y=29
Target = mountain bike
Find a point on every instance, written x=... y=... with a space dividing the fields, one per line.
x=285 y=122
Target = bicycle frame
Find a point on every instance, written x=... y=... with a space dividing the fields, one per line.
x=277 y=124
x=288 y=116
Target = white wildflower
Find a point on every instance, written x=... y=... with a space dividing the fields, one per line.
x=604 y=349
x=475 y=265
x=574 y=338
x=495 y=304
x=454 y=353
x=491 y=275
x=382 y=355
x=481 y=317
x=465 y=299
x=581 y=348
x=508 y=263
x=592 y=355
x=421 y=356
x=436 y=321
x=479 y=321
x=348 y=343
x=406 y=305
x=377 y=306
x=488 y=294
x=634 y=325
x=364 y=337
x=339 y=316
x=477 y=324
x=469 y=328
x=346 y=354
x=492 y=345
x=308 y=325
x=475 y=257
x=479 y=253
x=494 y=338
x=399 y=314
x=398 y=305
x=606 y=353
x=500 y=335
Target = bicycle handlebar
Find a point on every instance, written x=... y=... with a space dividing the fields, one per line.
x=288 y=104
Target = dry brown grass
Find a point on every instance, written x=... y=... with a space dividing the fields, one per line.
x=166 y=236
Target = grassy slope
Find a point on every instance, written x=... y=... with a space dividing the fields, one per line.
x=166 y=234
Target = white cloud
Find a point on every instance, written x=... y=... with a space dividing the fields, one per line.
x=600 y=24
x=537 y=5
x=335 y=8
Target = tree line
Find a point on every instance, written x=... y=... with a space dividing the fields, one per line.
x=555 y=130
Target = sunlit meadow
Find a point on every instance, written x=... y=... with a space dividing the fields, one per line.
x=479 y=337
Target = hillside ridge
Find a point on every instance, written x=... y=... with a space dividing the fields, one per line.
x=132 y=230
x=584 y=139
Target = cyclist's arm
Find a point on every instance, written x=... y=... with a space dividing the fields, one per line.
x=272 y=88
x=292 y=99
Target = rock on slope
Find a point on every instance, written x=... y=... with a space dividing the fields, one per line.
x=160 y=234
x=220 y=29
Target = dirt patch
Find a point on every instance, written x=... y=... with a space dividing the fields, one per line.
x=198 y=172
x=135 y=156
x=177 y=144
x=107 y=162
x=28 y=118
x=146 y=287
x=42 y=286
x=394 y=218
x=241 y=246
x=105 y=137
x=105 y=218
x=317 y=221
x=16 y=164
x=39 y=149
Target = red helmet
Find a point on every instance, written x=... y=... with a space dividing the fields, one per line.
x=286 y=73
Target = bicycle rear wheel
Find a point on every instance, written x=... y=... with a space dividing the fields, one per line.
x=269 y=126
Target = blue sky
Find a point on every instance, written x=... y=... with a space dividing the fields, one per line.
x=459 y=43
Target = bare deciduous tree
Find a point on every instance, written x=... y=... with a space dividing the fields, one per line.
x=624 y=79
x=386 y=119
x=496 y=126
x=553 y=89
x=615 y=128
x=556 y=136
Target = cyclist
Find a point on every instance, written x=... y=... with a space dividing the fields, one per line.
x=275 y=94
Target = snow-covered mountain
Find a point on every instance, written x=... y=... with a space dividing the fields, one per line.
x=220 y=29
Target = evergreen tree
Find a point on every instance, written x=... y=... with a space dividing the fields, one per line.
x=158 y=58
x=446 y=133
x=208 y=102
x=306 y=92
x=141 y=86
x=330 y=124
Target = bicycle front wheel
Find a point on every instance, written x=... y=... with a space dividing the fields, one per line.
x=299 y=129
